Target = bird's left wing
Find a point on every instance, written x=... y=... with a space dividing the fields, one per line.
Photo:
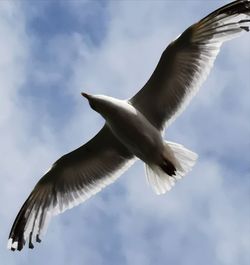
x=71 y=180
x=186 y=62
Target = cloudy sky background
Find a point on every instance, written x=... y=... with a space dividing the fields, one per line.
x=52 y=50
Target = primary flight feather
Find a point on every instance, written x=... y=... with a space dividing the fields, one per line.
x=133 y=128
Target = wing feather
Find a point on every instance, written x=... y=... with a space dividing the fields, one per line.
x=187 y=61
x=72 y=179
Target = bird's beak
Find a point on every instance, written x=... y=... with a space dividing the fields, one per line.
x=87 y=96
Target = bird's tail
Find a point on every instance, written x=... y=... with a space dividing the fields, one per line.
x=177 y=162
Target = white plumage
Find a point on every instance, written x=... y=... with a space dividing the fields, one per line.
x=133 y=128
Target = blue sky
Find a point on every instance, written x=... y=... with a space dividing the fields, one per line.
x=50 y=51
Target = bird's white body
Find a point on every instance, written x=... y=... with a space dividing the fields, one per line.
x=134 y=128
x=131 y=128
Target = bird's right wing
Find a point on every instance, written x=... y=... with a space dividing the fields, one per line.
x=186 y=62
x=71 y=180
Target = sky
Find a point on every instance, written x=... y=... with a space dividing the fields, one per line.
x=50 y=51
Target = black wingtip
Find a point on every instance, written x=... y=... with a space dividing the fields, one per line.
x=245 y=28
x=31 y=246
x=235 y=7
x=30 y=241
x=20 y=247
x=38 y=239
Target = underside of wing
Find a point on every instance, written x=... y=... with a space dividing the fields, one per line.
x=187 y=61
x=72 y=179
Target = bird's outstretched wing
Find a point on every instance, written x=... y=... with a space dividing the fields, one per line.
x=186 y=62
x=71 y=180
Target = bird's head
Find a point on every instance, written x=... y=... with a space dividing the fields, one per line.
x=91 y=99
x=95 y=101
x=99 y=103
x=105 y=105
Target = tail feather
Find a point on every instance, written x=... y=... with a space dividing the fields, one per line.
x=179 y=161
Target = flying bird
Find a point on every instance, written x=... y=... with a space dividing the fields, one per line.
x=133 y=128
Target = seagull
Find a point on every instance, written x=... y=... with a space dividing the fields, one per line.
x=134 y=128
